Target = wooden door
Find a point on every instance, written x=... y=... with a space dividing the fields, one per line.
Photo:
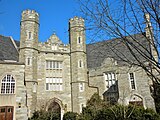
x=2 y=113
x=6 y=112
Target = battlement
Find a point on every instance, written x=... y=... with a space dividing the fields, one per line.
x=30 y=15
x=28 y=12
x=76 y=21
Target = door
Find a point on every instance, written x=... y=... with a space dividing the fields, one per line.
x=6 y=112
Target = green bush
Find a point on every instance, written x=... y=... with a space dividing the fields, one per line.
x=88 y=113
x=45 y=115
x=70 y=116
x=104 y=114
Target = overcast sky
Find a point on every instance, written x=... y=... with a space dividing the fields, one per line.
x=54 y=16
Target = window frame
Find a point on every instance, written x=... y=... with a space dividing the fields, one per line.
x=80 y=64
x=79 y=39
x=110 y=82
x=81 y=87
x=54 y=84
x=28 y=61
x=54 y=65
x=11 y=82
x=30 y=35
x=132 y=81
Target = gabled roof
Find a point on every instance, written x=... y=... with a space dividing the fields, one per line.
x=115 y=48
x=8 y=49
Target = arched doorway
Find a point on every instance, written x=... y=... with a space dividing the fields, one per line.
x=55 y=108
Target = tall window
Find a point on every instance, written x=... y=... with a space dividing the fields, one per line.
x=54 y=84
x=8 y=85
x=132 y=81
x=54 y=80
x=53 y=64
x=81 y=87
x=79 y=40
x=29 y=61
x=110 y=81
x=80 y=63
x=29 y=35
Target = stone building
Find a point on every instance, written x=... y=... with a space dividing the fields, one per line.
x=56 y=77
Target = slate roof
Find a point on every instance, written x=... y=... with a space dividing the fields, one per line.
x=115 y=48
x=7 y=49
x=96 y=52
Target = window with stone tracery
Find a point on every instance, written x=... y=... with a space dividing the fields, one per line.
x=8 y=85
x=54 y=81
x=132 y=81
x=54 y=84
x=50 y=64
x=110 y=81
x=111 y=85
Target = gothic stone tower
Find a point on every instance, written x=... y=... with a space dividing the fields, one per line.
x=28 y=54
x=78 y=63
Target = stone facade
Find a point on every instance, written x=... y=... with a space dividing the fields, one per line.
x=18 y=99
x=54 y=74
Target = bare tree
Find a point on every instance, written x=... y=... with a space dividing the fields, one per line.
x=123 y=19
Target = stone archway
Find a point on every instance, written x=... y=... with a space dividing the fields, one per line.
x=55 y=106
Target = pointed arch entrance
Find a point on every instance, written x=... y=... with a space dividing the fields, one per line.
x=54 y=105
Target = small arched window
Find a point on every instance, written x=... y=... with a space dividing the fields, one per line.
x=34 y=87
x=8 y=85
x=79 y=40
x=80 y=63
x=30 y=35
x=29 y=61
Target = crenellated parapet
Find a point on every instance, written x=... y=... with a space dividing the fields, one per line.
x=30 y=15
x=76 y=22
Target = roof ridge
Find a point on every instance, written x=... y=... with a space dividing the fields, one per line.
x=110 y=40
x=13 y=41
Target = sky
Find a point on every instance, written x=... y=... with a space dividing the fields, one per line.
x=54 y=17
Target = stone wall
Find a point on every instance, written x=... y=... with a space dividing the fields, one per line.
x=42 y=94
x=18 y=99
x=125 y=93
